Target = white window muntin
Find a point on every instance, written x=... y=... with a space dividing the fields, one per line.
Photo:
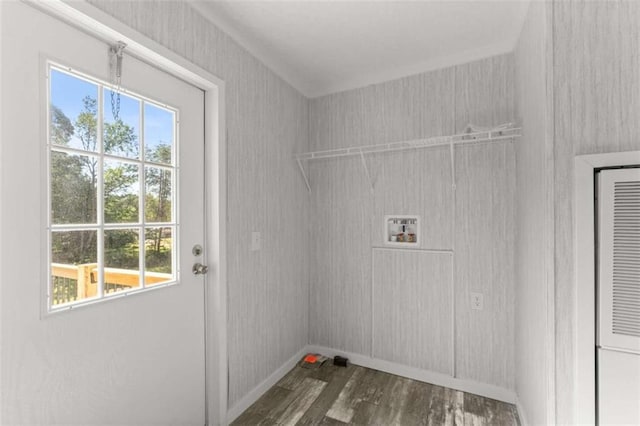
x=100 y=226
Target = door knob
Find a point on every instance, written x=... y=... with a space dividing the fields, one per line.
x=199 y=269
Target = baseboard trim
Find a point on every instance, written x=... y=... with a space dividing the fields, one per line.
x=521 y=414
x=482 y=389
x=253 y=395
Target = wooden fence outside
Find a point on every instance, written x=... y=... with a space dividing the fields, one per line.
x=78 y=282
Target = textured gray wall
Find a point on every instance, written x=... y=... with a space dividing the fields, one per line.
x=347 y=218
x=484 y=234
x=534 y=221
x=420 y=283
x=596 y=74
x=267 y=124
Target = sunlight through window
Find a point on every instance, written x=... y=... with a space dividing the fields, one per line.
x=112 y=191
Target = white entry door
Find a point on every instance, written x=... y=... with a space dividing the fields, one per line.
x=102 y=204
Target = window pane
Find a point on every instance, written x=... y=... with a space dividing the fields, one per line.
x=121 y=192
x=121 y=136
x=158 y=134
x=73 y=188
x=100 y=182
x=158 y=195
x=121 y=260
x=74 y=271
x=73 y=112
x=158 y=255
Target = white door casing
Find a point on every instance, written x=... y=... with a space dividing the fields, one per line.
x=618 y=316
x=136 y=360
x=585 y=169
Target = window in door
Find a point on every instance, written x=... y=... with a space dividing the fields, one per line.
x=112 y=171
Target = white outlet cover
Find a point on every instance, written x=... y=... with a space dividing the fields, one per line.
x=477 y=301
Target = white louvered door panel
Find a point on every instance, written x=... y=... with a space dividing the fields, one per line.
x=619 y=259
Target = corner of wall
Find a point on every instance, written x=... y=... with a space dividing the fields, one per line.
x=521 y=413
x=307 y=147
x=535 y=223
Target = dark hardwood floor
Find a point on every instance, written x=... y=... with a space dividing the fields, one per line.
x=356 y=395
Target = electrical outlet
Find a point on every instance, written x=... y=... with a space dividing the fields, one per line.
x=255 y=241
x=477 y=301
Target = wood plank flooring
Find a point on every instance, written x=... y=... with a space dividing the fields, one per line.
x=356 y=395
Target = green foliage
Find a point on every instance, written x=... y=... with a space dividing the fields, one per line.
x=72 y=190
x=74 y=247
x=74 y=181
x=120 y=139
x=86 y=130
x=161 y=153
x=87 y=125
x=61 y=128
x=158 y=250
x=158 y=204
x=121 y=249
x=120 y=189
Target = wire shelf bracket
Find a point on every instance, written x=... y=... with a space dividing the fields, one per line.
x=366 y=172
x=304 y=174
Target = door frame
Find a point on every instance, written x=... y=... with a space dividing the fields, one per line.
x=585 y=276
x=99 y=24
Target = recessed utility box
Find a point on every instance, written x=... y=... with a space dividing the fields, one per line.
x=402 y=231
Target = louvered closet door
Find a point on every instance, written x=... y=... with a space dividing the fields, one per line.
x=619 y=259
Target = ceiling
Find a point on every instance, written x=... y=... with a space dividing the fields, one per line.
x=323 y=47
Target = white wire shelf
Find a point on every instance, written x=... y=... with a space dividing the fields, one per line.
x=463 y=138
x=493 y=135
